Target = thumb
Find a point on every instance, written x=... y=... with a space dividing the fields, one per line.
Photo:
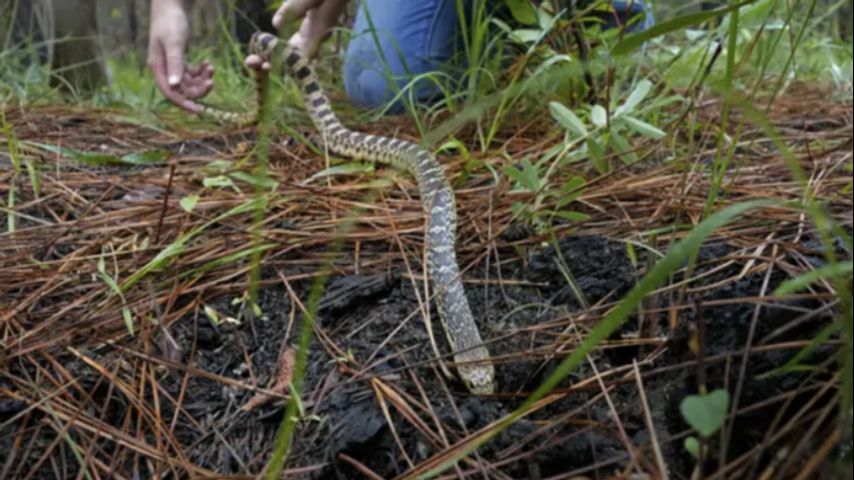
x=174 y=54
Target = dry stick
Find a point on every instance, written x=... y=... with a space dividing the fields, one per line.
x=742 y=374
x=824 y=450
x=650 y=426
x=379 y=390
x=805 y=441
x=633 y=451
x=364 y=470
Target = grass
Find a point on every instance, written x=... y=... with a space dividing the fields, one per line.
x=629 y=103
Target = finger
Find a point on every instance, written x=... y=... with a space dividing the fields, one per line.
x=293 y=9
x=174 y=53
x=253 y=61
x=196 y=86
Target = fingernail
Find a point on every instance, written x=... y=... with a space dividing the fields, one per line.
x=174 y=80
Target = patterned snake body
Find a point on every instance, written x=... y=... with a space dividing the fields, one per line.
x=472 y=358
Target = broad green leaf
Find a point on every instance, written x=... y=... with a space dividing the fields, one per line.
x=832 y=270
x=599 y=116
x=705 y=413
x=189 y=202
x=643 y=128
x=638 y=95
x=568 y=119
x=635 y=40
x=523 y=11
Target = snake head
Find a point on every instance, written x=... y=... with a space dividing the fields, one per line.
x=476 y=371
x=261 y=44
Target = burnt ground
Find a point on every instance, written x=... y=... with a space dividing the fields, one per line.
x=571 y=435
x=169 y=401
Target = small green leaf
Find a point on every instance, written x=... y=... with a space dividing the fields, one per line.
x=150 y=157
x=343 y=169
x=189 y=202
x=115 y=290
x=523 y=11
x=219 y=181
x=454 y=145
x=705 y=413
x=643 y=128
x=632 y=254
x=597 y=156
x=624 y=148
x=127 y=317
x=212 y=314
x=568 y=119
x=599 y=116
x=692 y=446
x=526 y=35
x=218 y=166
x=573 y=186
x=255 y=180
x=572 y=216
x=527 y=178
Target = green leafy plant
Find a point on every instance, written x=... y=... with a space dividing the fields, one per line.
x=607 y=130
x=534 y=179
x=705 y=413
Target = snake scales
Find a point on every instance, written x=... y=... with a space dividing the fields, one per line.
x=472 y=358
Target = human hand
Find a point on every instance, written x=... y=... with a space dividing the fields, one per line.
x=320 y=17
x=180 y=83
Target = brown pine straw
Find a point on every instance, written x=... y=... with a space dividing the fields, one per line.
x=53 y=303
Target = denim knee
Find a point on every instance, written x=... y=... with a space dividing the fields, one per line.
x=394 y=42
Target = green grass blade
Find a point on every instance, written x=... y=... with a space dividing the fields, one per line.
x=634 y=41
x=829 y=271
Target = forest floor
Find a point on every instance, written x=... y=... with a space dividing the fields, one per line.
x=196 y=390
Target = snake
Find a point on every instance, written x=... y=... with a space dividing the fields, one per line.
x=471 y=357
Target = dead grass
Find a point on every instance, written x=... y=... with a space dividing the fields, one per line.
x=53 y=303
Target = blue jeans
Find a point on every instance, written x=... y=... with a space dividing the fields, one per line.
x=413 y=37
